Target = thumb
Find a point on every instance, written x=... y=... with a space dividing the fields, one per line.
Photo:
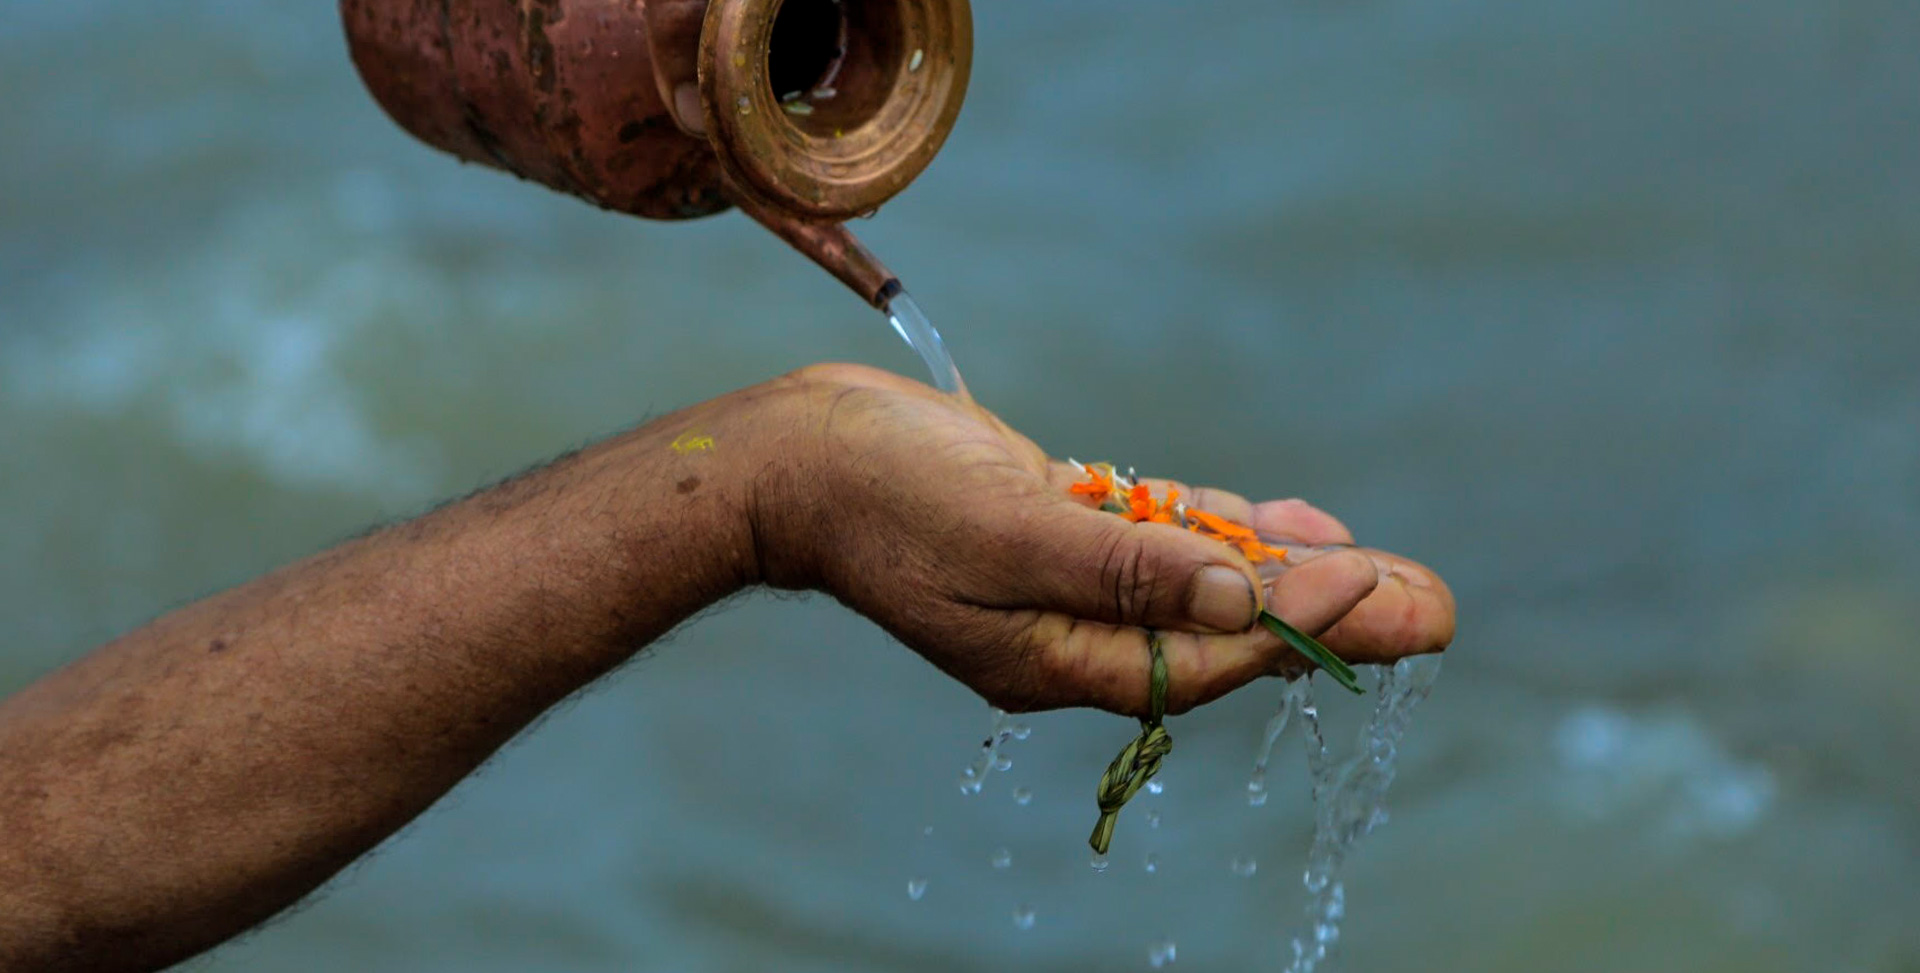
x=1099 y=567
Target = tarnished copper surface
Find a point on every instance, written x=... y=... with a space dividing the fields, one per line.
x=580 y=95
x=900 y=88
x=833 y=246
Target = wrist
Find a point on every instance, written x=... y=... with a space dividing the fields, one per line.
x=790 y=497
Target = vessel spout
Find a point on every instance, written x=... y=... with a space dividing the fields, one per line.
x=833 y=247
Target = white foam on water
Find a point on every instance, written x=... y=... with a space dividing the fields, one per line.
x=1661 y=765
x=236 y=351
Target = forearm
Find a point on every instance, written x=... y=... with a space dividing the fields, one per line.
x=201 y=773
x=198 y=775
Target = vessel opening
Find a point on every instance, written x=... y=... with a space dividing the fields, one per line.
x=809 y=40
x=843 y=57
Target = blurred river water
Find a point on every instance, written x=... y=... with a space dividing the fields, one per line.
x=1610 y=311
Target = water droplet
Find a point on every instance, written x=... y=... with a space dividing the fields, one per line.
x=1003 y=763
x=1155 y=787
x=916 y=888
x=1153 y=819
x=1243 y=867
x=1152 y=864
x=745 y=105
x=1002 y=858
x=1257 y=799
x=1162 y=953
x=926 y=832
x=1021 y=731
x=970 y=785
x=1022 y=796
x=798 y=108
x=1099 y=862
x=919 y=55
x=1023 y=917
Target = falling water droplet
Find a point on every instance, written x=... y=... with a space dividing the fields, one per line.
x=1003 y=763
x=1023 y=917
x=1349 y=796
x=1257 y=789
x=1155 y=787
x=1099 y=862
x=916 y=888
x=926 y=832
x=919 y=55
x=1161 y=953
x=1002 y=859
x=1153 y=819
x=1021 y=731
x=1243 y=867
x=1152 y=864
x=1022 y=796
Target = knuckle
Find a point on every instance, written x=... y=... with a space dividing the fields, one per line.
x=1127 y=576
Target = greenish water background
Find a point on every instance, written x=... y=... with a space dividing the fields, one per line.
x=1607 y=310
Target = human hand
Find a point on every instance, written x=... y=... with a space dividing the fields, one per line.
x=958 y=535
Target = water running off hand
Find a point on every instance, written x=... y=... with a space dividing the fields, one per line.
x=1349 y=797
x=919 y=334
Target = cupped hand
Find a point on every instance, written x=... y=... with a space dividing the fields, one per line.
x=929 y=515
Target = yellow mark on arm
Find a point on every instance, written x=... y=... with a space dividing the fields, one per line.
x=692 y=442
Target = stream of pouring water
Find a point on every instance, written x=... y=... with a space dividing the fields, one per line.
x=1349 y=797
x=919 y=334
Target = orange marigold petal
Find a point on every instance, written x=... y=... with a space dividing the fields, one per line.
x=1139 y=503
x=1221 y=526
x=1098 y=485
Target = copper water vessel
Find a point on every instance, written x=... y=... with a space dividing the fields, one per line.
x=674 y=109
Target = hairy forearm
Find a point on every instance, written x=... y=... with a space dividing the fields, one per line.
x=203 y=772
x=194 y=777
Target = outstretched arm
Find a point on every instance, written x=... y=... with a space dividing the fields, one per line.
x=197 y=775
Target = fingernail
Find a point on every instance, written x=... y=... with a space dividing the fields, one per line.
x=1222 y=599
x=1381 y=566
x=686 y=108
x=1412 y=579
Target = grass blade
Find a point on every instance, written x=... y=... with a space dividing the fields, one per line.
x=1310 y=647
